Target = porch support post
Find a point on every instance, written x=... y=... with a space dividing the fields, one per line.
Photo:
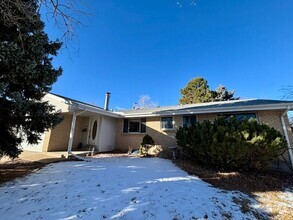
x=290 y=149
x=71 y=135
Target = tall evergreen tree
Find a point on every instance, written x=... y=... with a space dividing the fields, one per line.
x=222 y=94
x=196 y=91
x=26 y=75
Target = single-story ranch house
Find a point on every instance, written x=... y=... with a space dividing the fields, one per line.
x=89 y=125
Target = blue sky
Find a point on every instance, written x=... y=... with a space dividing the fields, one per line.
x=137 y=47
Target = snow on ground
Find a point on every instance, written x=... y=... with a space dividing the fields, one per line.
x=122 y=188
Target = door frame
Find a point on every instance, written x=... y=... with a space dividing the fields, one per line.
x=89 y=134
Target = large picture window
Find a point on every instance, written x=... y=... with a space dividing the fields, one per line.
x=188 y=121
x=136 y=125
x=240 y=116
x=167 y=123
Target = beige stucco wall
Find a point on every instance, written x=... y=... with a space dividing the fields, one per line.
x=59 y=136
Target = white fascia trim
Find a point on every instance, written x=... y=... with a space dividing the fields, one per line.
x=96 y=110
x=57 y=98
x=211 y=110
x=74 y=106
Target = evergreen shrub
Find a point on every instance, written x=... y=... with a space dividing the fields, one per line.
x=231 y=144
x=147 y=139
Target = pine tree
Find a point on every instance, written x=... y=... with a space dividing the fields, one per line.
x=222 y=94
x=196 y=91
x=26 y=75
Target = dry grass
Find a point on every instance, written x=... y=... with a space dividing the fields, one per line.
x=268 y=188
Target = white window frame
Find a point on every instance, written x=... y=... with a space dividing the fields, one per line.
x=167 y=129
x=128 y=126
x=139 y=126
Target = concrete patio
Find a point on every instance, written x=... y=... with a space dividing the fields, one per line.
x=45 y=157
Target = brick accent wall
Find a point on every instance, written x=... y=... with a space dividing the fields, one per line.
x=153 y=128
x=271 y=118
x=46 y=140
x=59 y=136
x=167 y=138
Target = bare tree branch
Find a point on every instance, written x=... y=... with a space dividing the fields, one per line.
x=145 y=102
x=287 y=92
x=66 y=14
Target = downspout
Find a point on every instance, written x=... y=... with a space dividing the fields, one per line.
x=71 y=135
x=290 y=149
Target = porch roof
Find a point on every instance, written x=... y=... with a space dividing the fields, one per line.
x=78 y=106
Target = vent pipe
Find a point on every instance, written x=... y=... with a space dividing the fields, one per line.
x=107 y=100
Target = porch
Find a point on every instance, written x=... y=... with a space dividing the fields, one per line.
x=81 y=132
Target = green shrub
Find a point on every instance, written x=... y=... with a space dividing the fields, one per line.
x=230 y=144
x=147 y=139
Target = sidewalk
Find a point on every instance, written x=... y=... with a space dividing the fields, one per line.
x=37 y=157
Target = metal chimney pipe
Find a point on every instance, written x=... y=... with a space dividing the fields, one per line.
x=107 y=100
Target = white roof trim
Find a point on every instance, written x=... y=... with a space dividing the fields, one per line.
x=96 y=110
x=177 y=110
x=74 y=106
x=211 y=110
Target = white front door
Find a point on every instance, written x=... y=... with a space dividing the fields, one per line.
x=93 y=131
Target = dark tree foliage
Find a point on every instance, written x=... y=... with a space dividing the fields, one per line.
x=198 y=91
x=222 y=94
x=26 y=75
x=147 y=139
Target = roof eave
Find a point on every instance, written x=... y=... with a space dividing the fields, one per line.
x=213 y=110
x=96 y=110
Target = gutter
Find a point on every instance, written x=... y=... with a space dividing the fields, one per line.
x=99 y=111
x=290 y=149
x=204 y=111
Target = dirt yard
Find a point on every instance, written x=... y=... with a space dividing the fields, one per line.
x=10 y=170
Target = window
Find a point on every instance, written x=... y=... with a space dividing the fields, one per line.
x=94 y=132
x=143 y=125
x=188 y=121
x=136 y=125
x=241 y=116
x=167 y=123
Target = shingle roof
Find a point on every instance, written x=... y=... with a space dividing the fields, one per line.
x=74 y=100
x=209 y=105
x=199 y=107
